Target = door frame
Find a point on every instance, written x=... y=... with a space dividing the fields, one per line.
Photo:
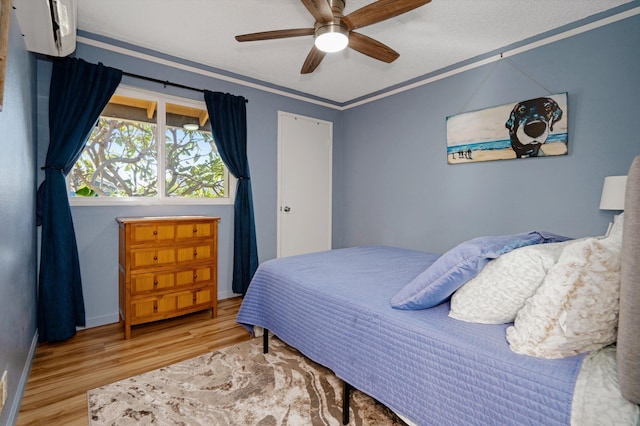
x=280 y=205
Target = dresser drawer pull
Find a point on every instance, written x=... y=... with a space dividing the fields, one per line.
x=155 y=306
x=195 y=276
x=155 y=283
x=155 y=257
x=195 y=253
x=195 y=298
x=155 y=232
x=195 y=230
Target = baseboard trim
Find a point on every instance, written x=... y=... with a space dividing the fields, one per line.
x=101 y=320
x=22 y=384
x=115 y=317
x=227 y=295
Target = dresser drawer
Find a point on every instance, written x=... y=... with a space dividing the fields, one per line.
x=141 y=283
x=153 y=281
x=194 y=253
x=167 y=305
x=143 y=233
x=163 y=233
x=144 y=258
x=194 y=298
x=194 y=230
x=193 y=276
x=154 y=306
x=170 y=256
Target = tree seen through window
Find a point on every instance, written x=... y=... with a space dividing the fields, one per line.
x=121 y=155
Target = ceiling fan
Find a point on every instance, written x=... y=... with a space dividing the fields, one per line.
x=332 y=25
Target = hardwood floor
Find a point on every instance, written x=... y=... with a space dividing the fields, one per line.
x=62 y=373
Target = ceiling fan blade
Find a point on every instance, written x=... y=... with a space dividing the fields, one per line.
x=313 y=60
x=320 y=10
x=373 y=48
x=270 y=35
x=379 y=11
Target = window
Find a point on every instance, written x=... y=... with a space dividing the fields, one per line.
x=150 y=149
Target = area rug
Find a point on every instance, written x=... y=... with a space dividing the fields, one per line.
x=237 y=385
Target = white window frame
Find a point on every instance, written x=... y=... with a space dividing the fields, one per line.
x=161 y=198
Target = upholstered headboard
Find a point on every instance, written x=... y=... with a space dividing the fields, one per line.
x=628 y=352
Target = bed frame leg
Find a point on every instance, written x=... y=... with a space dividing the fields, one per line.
x=265 y=341
x=346 y=392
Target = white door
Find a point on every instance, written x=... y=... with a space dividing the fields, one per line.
x=304 y=184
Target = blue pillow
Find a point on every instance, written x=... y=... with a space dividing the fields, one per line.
x=457 y=266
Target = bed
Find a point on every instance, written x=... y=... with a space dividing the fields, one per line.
x=439 y=353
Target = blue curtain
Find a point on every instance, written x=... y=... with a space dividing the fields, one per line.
x=228 y=117
x=78 y=94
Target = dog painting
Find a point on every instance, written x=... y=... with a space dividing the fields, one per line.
x=529 y=125
x=527 y=129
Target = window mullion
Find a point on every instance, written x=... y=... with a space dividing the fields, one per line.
x=161 y=136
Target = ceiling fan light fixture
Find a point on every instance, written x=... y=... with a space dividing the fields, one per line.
x=331 y=38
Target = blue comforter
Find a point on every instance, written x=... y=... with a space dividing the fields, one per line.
x=334 y=307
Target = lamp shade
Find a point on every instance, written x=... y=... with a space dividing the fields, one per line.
x=613 y=193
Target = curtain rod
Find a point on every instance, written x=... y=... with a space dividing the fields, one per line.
x=165 y=83
x=141 y=77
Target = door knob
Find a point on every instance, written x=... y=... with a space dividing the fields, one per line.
x=287 y=209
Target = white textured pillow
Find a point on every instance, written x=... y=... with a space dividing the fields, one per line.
x=501 y=289
x=576 y=308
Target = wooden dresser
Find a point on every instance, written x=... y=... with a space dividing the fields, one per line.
x=168 y=266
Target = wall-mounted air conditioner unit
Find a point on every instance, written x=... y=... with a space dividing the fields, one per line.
x=48 y=26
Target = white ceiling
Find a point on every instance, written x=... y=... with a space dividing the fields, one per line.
x=434 y=36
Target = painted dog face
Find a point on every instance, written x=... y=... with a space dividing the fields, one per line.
x=529 y=125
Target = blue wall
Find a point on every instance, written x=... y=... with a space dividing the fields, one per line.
x=397 y=188
x=18 y=230
x=96 y=229
x=392 y=184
